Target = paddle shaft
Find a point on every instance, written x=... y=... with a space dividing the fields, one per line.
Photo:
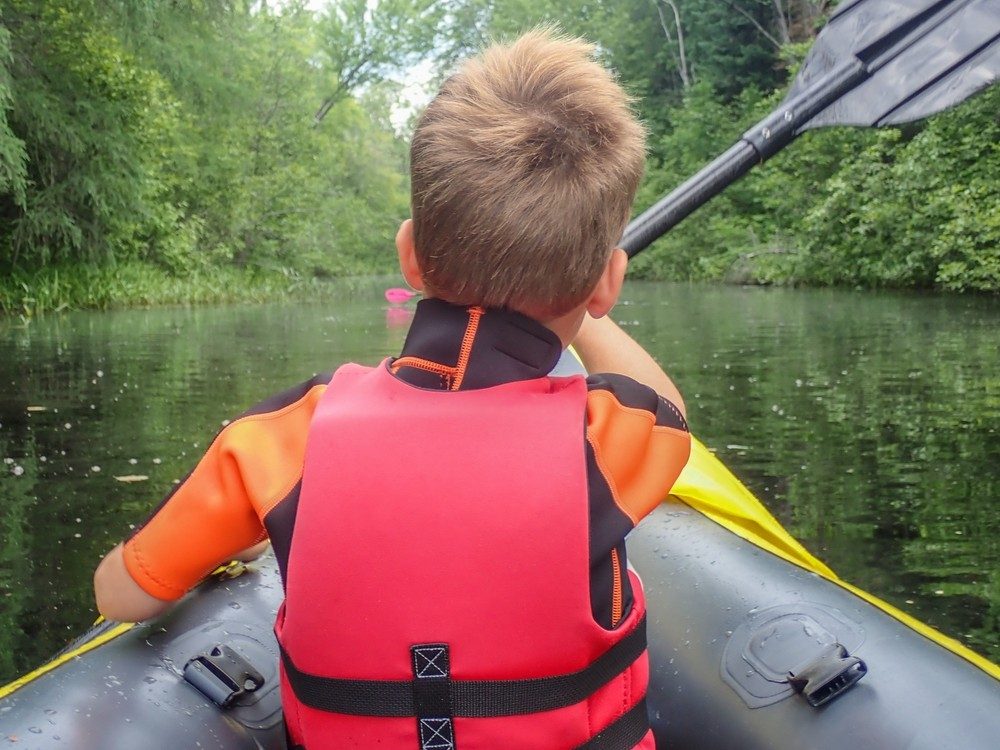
x=757 y=145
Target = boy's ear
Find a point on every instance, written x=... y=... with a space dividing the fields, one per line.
x=609 y=286
x=406 y=249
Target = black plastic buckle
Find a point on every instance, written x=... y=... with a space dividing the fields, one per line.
x=828 y=675
x=222 y=675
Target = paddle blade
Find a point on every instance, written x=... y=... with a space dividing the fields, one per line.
x=920 y=56
x=398 y=296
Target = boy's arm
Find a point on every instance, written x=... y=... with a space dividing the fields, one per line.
x=604 y=347
x=120 y=598
x=216 y=513
x=637 y=431
x=117 y=594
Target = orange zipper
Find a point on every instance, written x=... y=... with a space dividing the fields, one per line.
x=616 y=589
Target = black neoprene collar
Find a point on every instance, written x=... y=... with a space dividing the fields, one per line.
x=507 y=346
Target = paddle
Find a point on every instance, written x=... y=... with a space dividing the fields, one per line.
x=397 y=295
x=876 y=62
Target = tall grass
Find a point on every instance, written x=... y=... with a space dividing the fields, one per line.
x=29 y=293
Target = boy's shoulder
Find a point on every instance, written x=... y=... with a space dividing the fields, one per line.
x=608 y=391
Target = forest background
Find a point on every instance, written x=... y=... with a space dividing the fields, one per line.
x=207 y=150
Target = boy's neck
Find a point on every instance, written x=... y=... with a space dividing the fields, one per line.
x=566 y=326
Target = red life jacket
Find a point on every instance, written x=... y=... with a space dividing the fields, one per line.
x=437 y=593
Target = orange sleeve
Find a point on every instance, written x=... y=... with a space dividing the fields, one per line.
x=216 y=511
x=640 y=442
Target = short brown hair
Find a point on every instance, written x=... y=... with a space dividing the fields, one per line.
x=524 y=168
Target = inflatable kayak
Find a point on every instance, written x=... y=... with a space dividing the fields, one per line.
x=753 y=644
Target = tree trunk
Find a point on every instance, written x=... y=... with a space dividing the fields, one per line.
x=677 y=48
x=781 y=11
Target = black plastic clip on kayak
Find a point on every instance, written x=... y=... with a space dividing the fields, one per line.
x=222 y=675
x=828 y=675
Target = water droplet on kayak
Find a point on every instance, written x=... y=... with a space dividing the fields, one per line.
x=149 y=680
x=34 y=730
x=234 y=605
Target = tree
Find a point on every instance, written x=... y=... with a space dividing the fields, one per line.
x=13 y=157
x=366 y=41
x=97 y=127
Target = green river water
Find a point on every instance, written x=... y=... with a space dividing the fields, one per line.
x=869 y=423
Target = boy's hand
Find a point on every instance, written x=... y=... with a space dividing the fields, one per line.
x=252 y=553
x=604 y=347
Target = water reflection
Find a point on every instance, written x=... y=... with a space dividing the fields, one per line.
x=868 y=423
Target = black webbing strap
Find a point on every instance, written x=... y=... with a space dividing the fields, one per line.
x=432 y=696
x=469 y=698
x=623 y=733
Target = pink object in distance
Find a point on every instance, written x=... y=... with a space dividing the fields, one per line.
x=398 y=296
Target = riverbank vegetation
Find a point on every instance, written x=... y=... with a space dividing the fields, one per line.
x=208 y=150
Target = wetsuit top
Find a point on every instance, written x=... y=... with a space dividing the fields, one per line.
x=246 y=486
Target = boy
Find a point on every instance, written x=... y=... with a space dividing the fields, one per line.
x=451 y=534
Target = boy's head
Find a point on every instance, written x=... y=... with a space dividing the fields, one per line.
x=524 y=168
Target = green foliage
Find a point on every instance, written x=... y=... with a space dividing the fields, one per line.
x=727 y=49
x=182 y=135
x=196 y=137
x=13 y=158
x=918 y=211
x=912 y=207
x=95 y=128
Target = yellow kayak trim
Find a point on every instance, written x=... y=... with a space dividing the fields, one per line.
x=107 y=635
x=707 y=486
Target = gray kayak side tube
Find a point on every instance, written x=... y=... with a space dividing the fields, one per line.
x=716 y=601
x=130 y=694
x=716 y=605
